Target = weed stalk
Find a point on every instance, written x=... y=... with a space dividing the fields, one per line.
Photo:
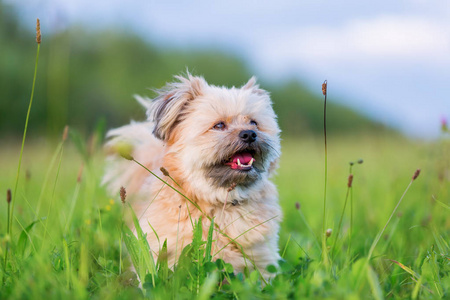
x=350 y=231
x=324 y=240
x=380 y=234
x=38 y=40
x=123 y=197
x=8 y=201
x=302 y=216
x=13 y=200
x=349 y=187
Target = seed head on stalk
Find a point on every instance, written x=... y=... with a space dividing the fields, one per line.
x=8 y=196
x=350 y=180
x=38 y=31
x=164 y=171
x=123 y=194
x=124 y=149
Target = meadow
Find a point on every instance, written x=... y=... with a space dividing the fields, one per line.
x=381 y=232
x=68 y=235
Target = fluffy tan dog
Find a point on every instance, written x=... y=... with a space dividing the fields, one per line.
x=220 y=146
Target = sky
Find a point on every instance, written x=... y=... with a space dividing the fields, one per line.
x=387 y=59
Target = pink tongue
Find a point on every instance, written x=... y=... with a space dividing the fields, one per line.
x=244 y=158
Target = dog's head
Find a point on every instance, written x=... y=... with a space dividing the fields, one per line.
x=230 y=136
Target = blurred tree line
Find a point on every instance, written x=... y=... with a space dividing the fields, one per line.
x=84 y=77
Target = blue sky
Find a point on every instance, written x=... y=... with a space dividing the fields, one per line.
x=388 y=59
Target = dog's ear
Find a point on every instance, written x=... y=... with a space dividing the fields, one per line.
x=254 y=87
x=168 y=108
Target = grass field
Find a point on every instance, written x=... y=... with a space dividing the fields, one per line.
x=67 y=240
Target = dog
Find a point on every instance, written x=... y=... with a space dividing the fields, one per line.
x=218 y=147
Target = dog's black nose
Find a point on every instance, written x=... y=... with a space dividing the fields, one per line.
x=248 y=136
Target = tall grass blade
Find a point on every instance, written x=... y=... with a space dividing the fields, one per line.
x=24 y=237
x=416 y=289
x=67 y=263
x=350 y=231
x=374 y=283
x=285 y=247
x=380 y=234
x=47 y=177
x=83 y=273
x=209 y=242
x=144 y=249
x=197 y=254
x=11 y=208
x=208 y=287
x=407 y=269
x=131 y=242
x=442 y=204
x=340 y=221
x=26 y=126
x=163 y=264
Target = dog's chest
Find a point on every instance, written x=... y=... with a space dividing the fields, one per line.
x=242 y=223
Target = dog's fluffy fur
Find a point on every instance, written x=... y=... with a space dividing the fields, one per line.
x=180 y=135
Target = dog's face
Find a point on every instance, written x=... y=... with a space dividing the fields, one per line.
x=230 y=136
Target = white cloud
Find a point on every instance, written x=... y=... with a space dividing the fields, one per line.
x=384 y=38
x=399 y=37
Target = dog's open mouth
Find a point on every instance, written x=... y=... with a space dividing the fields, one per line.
x=241 y=161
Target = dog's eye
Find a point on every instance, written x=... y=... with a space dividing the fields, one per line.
x=220 y=126
x=253 y=123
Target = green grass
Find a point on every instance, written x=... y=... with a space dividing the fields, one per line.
x=72 y=246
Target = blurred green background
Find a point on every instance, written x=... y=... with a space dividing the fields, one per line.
x=89 y=77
